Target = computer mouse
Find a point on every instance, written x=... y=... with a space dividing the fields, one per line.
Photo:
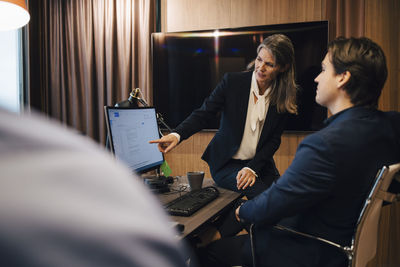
x=180 y=227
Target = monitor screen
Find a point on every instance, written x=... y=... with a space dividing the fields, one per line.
x=130 y=130
x=187 y=66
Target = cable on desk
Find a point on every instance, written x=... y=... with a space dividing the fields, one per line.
x=178 y=189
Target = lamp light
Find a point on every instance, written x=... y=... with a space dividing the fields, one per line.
x=13 y=14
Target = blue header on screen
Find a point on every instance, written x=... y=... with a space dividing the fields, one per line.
x=130 y=131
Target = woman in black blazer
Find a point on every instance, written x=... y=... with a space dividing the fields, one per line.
x=254 y=107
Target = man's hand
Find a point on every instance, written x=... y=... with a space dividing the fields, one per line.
x=245 y=178
x=166 y=143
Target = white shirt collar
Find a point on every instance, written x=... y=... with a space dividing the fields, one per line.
x=260 y=107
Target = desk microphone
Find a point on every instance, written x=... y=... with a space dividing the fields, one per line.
x=136 y=93
x=132 y=101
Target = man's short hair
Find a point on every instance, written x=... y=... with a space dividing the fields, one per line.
x=366 y=62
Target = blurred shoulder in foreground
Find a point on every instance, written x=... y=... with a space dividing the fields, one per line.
x=65 y=202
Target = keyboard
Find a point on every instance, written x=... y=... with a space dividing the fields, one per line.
x=191 y=202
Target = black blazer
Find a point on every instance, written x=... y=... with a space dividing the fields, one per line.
x=231 y=97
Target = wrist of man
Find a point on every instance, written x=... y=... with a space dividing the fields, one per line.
x=247 y=168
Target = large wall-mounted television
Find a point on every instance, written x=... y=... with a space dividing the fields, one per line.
x=187 y=66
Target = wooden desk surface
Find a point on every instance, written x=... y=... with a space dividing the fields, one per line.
x=205 y=214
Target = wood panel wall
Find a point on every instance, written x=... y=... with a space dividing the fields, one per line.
x=381 y=25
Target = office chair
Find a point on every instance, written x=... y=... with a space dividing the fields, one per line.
x=364 y=241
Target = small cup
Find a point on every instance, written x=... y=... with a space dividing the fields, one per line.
x=195 y=180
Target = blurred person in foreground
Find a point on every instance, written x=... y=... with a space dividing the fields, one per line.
x=323 y=190
x=65 y=202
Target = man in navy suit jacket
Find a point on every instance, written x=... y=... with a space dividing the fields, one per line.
x=323 y=190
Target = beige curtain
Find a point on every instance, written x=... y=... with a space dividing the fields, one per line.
x=87 y=54
x=346 y=18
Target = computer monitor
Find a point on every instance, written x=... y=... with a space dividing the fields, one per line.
x=130 y=130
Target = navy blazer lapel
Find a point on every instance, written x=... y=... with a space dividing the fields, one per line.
x=242 y=91
x=269 y=121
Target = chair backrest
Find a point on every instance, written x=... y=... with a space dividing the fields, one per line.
x=366 y=236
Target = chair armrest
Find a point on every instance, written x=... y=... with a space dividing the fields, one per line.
x=386 y=196
x=283 y=228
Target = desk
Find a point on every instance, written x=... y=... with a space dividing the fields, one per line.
x=206 y=214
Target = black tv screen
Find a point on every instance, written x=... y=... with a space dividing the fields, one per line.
x=187 y=66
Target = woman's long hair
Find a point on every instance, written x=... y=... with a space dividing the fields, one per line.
x=284 y=88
